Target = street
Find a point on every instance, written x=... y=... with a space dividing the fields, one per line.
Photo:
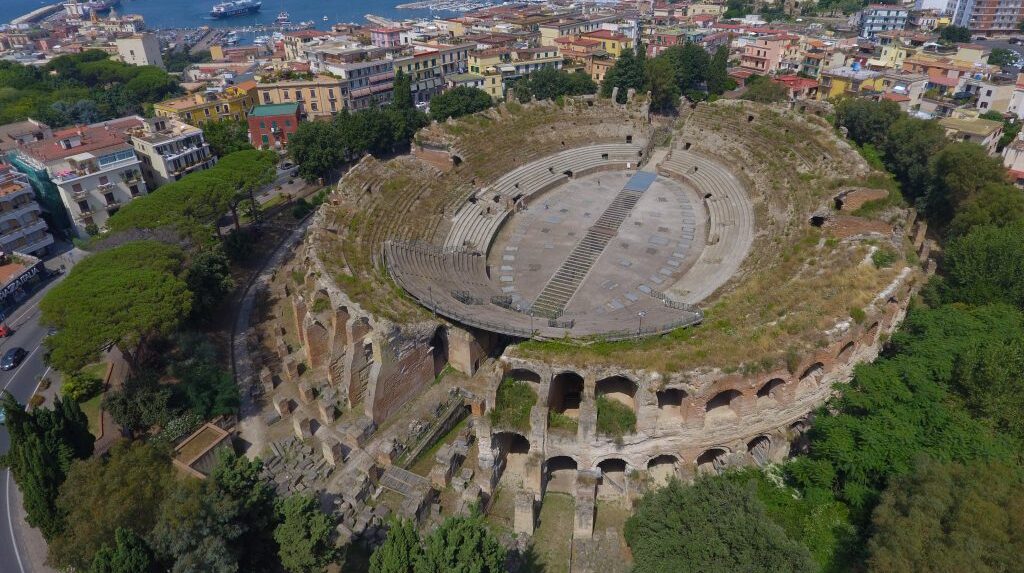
x=22 y=383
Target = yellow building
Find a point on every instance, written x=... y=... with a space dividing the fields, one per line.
x=848 y=82
x=233 y=102
x=503 y=66
x=317 y=96
x=612 y=42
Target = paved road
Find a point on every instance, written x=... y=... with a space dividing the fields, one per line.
x=21 y=382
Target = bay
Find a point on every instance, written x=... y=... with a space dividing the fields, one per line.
x=194 y=13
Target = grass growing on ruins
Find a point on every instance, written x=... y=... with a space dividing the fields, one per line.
x=512 y=405
x=562 y=422
x=614 y=418
x=425 y=461
x=552 y=539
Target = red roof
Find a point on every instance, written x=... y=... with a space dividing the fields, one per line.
x=891 y=96
x=796 y=82
x=937 y=77
x=96 y=137
x=605 y=35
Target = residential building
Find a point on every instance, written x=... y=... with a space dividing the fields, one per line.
x=764 y=55
x=663 y=38
x=613 y=43
x=359 y=77
x=468 y=80
x=798 y=87
x=213 y=104
x=92 y=171
x=169 y=150
x=984 y=132
x=140 y=50
x=501 y=66
x=19 y=133
x=571 y=27
x=270 y=126
x=993 y=94
x=904 y=88
x=877 y=18
x=428 y=65
x=1013 y=160
x=987 y=16
x=387 y=37
x=848 y=81
x=22 y=228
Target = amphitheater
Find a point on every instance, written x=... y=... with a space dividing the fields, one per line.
x=716 y=274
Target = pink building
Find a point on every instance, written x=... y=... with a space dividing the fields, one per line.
x=387 y=37
x=764 y=55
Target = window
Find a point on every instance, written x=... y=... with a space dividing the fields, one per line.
x=273 y=124
x=134 y=189
x=314 y=107
x=266 y=140
x=312 y=93
x=83 y=206
x=287 y=123
x=77 y=187
x=104 y=180
x=263 y=125
x=109 y=198
x=266 y=97
x=207 y=111
x=286 y=96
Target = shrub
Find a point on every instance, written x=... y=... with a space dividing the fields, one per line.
x=558 y=421
x=614 y=418
x=36 y=401
x=512 y=405
x=883 y=258
x=858 y=315
x=80 y=386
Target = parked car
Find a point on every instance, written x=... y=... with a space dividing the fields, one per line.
x=12 y=358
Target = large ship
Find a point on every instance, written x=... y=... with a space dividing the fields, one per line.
x=235 y=8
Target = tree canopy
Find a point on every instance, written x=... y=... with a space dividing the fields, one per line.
x=955 y=34
x=459 y=544
x=549 y=83
x=950 y=517
x=304 y=535
x=44 y=443
x=126 y=296
x=458 y=102
x=867 y=121
x=713 y=525
x=227 y=136
x=762 y=89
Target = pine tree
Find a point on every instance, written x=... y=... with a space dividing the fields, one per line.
x=718 y=76
x=400 y=551
x=130 y=554
x=43 y=444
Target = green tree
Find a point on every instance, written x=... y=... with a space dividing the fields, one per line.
x=960 y=171
x=718 y=79
x=209 y=279
x=867 y=121
x=954 y=34
x=1001 y=57
x=43 y=445
x=130 y=554
x=127 y=296
x=996 y=204
x=907 y=150
x=1011 y=127
x=105 y=497
x=986 y=266
x=950 y=517
x=304 y=535
x=627 y=73
x=80 y=386
x=661 y=81
x=227 y=136
x=400 y=551
x=691 y=64
x=462 y=544
x=458 y=102
x=763 y=89
x=713 y=525
x=549 y=83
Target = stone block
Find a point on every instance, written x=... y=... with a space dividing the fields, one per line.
x=266 y=379
x=283 y=406
x=306 y=393
x=291 y=369
x=303 y=427
x=326 y=411
x=523 y=518
x=334 y=452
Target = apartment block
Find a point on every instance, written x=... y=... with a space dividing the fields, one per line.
x=22 y=228
x=170 y=149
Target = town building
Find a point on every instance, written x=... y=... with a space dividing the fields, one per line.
x=984 y=132
x=316 y=95
x=82 y=175
x=764 y=55
x=22 y=227
x=571 y=27
x=848 y=81
x=354 y=77
x=19 y=133
x=502 y=67
x=140 y=50
x=613 y=43
x=877 y=18
x=270 y=126
x=428 y=66
x=987 y=16
x=387 y=37
x=212 y=104
x=169 y=150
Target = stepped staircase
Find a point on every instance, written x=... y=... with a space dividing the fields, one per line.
x=562 y=285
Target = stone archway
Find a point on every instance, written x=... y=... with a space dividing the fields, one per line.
x=613 y=478
x=524 y=375
x=439 y=349
x=670 y=403
x=722 y=406
x=712 y=461
x=566 y=394
x=512 y=450
x=560 y=475
x=619 y=389
x=662 y=469
x=846 y=351
x=809 y=379
x=769 y=392
x=760 y=449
